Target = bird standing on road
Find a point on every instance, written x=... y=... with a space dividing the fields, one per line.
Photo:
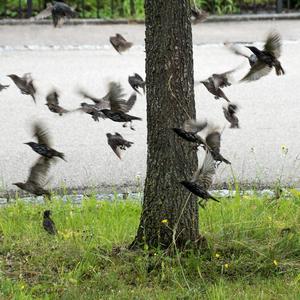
x=43 y=146
x=48 y=223
x=25 y=84
x=266 y=58
x=117 y=143
x=120 y=43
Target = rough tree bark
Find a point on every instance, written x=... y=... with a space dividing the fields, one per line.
x=170 y=101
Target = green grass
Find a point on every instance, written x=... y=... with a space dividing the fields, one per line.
x=251 y=253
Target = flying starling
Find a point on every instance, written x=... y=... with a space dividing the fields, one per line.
x=43 y=146
x=190 y=130
x=216 y=91
x=92 y=110
x=239 y=51
x=266 y=58
x=37 y=178
x=230 y=115
x=118 y=106
x=136 y=81
x=120 y=43
x=213 y=140
x=60 y=11
x=25 y=84
x=202 y=179
x=2 y=87
x=117 y=143
x=198 y=15
x=53 y=104
x=48 y=223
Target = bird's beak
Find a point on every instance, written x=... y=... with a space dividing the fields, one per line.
x=26 y=143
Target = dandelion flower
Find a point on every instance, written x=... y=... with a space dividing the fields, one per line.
x=226 y=266
x=275 y=262
x=165 y=221
x=217 y=255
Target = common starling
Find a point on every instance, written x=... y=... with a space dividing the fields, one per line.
x=2 y=87
x=216 y=91
x=239 y=51
x=213 y=140
x=45 y=13
x=120 y=43
x=100 y=103
x=25 y=84
x=48 y=223
x=198 y=15
x=118 y=106
x=60 y=11
x=136 y=81
x=266 y=58
x=53 y=104
x=37 y=178
x=92 y=110
x=43 y=146
x=230 y=114
x=202 y=179
x=117 y=143
x=190 y=130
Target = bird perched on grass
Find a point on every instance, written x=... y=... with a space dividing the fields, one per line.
x=190 y=130
x=230 y=111
x=136 y=81
x=53 y=103
x=266 y=58
x=202 y=179
x=37 y=178
x=120 y=43
x=25 y=84
x=213 y=141
x=2 y=87
x=117 y=143
x=43 y=146
x=48 y=223
x=119 y=107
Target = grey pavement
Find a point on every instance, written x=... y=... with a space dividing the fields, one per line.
x=80 y=56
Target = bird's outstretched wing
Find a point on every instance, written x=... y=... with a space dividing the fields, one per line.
x=273 y=44
x=258 y=70
x=39 y=171
x=52 y=98
x=213 y=139
x=204 y=175
x=194 y=126
x=42 y=135
x=44 y=13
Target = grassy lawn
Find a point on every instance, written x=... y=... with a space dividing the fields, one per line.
x=254 y=253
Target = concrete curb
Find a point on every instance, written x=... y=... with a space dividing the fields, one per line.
x=211 y=19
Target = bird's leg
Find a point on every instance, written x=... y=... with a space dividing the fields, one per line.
x=131 y=127
x=125 y=124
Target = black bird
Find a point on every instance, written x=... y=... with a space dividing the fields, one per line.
x=238 y=51
x=190 y=130
x=230 y=111
x=43 y=146
x=120 y=43
x=213 y=89
x=25 y=84
x=48 y=223
x=213 y=140
x=136 y=81
x=37 y=178
x=2 y=87
x=198 y=15
x=117 y=143
x=202 y=179
x=53 y=103
x=60 y=11
x=119 y=107
x=92 y=110
x=266 y=58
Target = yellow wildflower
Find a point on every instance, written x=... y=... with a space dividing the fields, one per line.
x=275 y=262
x=165 y=221
x=226 y=266
x=217 y=255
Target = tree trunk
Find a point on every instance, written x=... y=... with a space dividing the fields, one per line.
x=170 y=212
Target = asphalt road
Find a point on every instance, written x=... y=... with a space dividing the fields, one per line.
x=80 y=56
